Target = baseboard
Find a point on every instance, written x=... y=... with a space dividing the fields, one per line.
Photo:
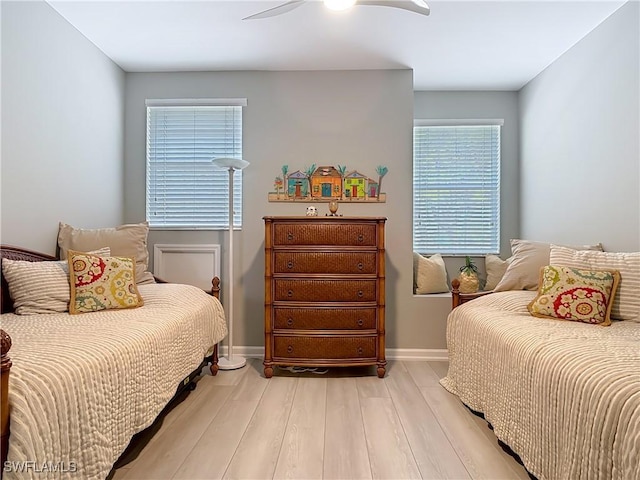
x=430 y=354
x=243 y=351
x=426 y=354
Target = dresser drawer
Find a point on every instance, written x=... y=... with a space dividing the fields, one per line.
x=329 y=348
x=325 y=262
x=290 y=290
x=357 y=234
x=324 y=318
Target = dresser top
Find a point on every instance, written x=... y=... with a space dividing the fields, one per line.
x=325 y=218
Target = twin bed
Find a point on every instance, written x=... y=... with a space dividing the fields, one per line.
x=80 y=386
x=564 y=396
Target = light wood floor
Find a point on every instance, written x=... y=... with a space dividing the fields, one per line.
x=346 y=424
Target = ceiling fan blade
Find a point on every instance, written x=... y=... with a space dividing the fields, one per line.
x=417 y=6
x=280 y=9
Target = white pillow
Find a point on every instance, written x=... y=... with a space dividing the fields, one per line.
x=626 y=303
x=528 y=258
x=39 y=287
x=496 y=268
x=430 y=274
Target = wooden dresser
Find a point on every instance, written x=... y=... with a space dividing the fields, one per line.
x=324 y=292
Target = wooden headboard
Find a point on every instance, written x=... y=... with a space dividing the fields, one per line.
x=17 y=253
x=458 y=298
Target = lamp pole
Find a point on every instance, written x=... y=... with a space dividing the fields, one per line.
x=231 y=361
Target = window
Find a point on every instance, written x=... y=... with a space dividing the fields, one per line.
x=184 y=190
x=456 y=187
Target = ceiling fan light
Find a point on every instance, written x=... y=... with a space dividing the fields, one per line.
x=339 y=4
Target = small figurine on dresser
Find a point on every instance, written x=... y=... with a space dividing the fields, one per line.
x=312 y=211
x=333 y=208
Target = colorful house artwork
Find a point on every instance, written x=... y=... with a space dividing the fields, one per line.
x=373 y=187
x=278 y=184
x=297 y=184
x=326 y=182
x=355 y=185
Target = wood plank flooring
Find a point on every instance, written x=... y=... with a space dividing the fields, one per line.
x=346 y=424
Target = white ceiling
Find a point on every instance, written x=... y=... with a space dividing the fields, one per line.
x=462 y=45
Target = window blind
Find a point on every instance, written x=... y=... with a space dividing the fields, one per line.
x=184 y=189
x=456 y=189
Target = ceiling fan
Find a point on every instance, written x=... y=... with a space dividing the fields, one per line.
x=417 y=6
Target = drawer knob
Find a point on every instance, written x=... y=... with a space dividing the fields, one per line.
x=290 y=293
x=360 y=265
x=360 y=322
x=360 y=351
x=290 y=264
x=290 y=349
x=289 y=236
x=361 y=238
x=290 y=322
x=360 y=294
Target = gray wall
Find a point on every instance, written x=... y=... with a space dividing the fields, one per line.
x=580 y=153
x=62 y=128
x=359 y=118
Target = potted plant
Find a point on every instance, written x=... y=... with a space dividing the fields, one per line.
x=468 y=276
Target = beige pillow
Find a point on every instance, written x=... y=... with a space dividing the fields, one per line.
x=125 y=241
x=39 y=287
x=495 y=267
x=430 y=274
x=527 y=259
x=626 y=303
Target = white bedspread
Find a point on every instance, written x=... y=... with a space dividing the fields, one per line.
x=82 y=385
x=565 y=396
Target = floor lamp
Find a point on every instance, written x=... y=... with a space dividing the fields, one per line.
x=231 y=361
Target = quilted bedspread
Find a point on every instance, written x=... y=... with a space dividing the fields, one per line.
x=82 y=385
x=565 y=396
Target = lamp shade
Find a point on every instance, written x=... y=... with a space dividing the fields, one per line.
x=228 y=162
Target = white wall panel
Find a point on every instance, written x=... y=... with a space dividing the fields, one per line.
x=191 y=264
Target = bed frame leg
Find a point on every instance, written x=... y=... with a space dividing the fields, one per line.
x=215 y=291
x=214 y=361
x=5 y=367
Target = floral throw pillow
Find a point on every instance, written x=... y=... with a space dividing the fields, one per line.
x=573 y=294
x=101 y=283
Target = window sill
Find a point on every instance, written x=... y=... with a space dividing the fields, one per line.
x=433 y=295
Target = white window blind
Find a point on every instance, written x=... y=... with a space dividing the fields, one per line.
x=184 y=189
x=456 y=189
